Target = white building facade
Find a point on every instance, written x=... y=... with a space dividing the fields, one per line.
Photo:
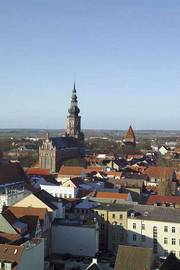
x=161 y=234
x=60 y=191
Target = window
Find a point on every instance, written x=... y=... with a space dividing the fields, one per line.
x=113 y=216
x=143 y=226
x=65 y=195
x=134 y=225
x=165 y=241
x=121 y=216
x=173 y=230
x=143 y=238
x=173 y=242
x=165 y=228
x=165 y=252
x=70 y=196
x=134 y=237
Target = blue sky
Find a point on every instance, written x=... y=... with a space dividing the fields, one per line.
x=123 y=54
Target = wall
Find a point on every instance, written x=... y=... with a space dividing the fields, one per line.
x=76 y=240
x=60 y=191
x=148 y=232
x=32 y=257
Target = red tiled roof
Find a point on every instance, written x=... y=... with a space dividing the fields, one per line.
x=163 y=199
x=19 y=212
x=68 y=170
x=160 y=172
x=130 y=136
x=112 y=195
x=11 y=253
x=114 y=173
x=91 y=169
x=37 y=171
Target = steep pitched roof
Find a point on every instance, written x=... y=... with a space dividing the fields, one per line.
x=11 y=253
x=130 y=136
x=136 y=258
x=11 y=172
x=46 y=198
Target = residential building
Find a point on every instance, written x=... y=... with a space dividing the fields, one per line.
x=29 y=255
x=60 y=191
x=112 y=220
x=12 y=182
x=155 y=227
x=42 y=199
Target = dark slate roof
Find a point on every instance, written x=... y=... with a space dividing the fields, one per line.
x=47 y=198
x=11 y=172
x=136 y=258
x=114 y=207
x=64 y=142
x=171 y=263
x=157 y=213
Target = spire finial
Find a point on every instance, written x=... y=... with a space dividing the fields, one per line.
x=47 y=136
x=74 y=88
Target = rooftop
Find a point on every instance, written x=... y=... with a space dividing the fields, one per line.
x=136 y=258
x=157 y=213
x=112 y=195
x=163 y=199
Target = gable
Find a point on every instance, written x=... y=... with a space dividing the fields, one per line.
x=32 y=201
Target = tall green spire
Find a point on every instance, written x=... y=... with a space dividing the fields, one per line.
x=74 y=102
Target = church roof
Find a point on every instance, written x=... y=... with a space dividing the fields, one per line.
x=130 y=136
x=64 y=142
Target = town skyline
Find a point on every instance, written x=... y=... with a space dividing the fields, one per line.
x=123 y=56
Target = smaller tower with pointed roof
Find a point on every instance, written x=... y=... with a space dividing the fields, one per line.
x=129 y=138
x=73 y=119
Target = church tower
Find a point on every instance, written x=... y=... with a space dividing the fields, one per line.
x=47 y=155
x=130 y=138
x=73 y=119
